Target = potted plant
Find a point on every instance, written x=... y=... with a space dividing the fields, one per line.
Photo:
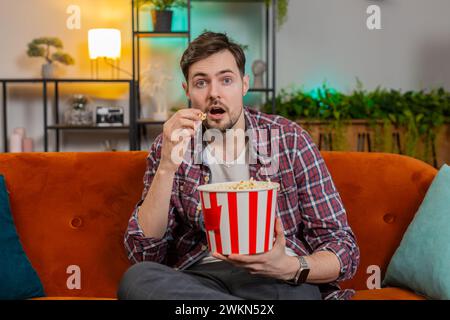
x=408 y=123
x=282 y=9
x=162 y=13
x=42 y=47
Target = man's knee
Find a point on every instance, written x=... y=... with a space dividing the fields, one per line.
x=139 y=273
x=310 y=292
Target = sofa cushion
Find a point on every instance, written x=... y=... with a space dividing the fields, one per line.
x=72 y=298
x=71 y=211
x=422 y=260
x=18 y=279
x=386 y=294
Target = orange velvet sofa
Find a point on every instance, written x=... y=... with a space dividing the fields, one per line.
x=73 y=208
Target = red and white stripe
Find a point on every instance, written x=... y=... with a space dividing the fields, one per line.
x=246 y=221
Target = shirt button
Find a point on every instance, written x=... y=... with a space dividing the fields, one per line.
x=206 y=179
x=204 y=247
x=181 y=188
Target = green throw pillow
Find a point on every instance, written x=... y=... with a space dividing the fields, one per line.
x=422 y=261
x=18 y=279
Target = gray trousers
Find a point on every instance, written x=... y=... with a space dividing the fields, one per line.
x=209 y=281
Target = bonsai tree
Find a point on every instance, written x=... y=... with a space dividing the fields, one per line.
x=41 y=47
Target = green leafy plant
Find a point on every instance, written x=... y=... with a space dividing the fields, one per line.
x=416 y=116
x=162 y=5
x=282 y=10
x=42 y=47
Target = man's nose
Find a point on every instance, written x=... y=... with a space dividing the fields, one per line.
x=214 y=91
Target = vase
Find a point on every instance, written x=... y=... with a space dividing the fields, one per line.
x=162 y=20
x=48 y=71
x=258 y=68
x=79 y=117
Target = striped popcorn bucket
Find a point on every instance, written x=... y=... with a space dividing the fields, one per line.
x=239 y=221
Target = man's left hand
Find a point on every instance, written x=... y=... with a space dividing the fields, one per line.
x=274 y=263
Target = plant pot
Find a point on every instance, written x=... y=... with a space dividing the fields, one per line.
x=162 y=20
x=48 y=71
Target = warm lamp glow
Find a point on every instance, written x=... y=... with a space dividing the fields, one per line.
x=104 y=43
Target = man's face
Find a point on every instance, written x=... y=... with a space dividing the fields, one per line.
x=215 y=87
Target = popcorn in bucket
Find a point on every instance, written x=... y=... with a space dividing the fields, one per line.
x=239 y=216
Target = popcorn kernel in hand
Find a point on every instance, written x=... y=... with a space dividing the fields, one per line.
x=202 y=116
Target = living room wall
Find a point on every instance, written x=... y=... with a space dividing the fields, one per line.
x=322 y=40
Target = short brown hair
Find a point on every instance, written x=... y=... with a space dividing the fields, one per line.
x=207 y=44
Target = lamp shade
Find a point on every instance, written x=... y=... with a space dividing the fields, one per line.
x=104 y=43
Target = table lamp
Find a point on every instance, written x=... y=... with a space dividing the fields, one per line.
x=104 y=44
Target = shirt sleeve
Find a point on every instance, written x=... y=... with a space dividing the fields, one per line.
x=323 y=214
x=139 y=247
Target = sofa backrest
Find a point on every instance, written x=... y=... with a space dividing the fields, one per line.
x=381 y=193
x=71 y=210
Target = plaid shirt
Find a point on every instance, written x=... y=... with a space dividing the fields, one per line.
x=310 y=207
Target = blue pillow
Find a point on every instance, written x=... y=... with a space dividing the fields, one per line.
x=18 y=279
x=422 y=261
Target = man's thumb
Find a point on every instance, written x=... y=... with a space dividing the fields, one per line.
x=279 y=232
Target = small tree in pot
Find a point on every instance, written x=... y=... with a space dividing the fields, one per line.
x=41 y=47
x=161 y=13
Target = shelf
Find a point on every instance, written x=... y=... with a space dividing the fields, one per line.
x=152 y=34
x=92 y=127
x=260 y=90
x=269 y=30
x=234 y=1
x=150 y=121
x=65 y=80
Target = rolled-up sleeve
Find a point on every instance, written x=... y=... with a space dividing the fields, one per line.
x=139 y=247
x=323 y=213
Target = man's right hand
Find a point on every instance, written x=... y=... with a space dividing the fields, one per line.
x=181 y=126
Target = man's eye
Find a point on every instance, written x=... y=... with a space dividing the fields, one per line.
x=200 y=83
x=227 y=80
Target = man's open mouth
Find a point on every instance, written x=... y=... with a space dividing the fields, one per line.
x=216 y=110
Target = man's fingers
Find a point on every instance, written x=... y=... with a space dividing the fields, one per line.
x=183 y=128
x=219 y=256
x=237 y=259
x=181 y=134
x=190 y=113
x=185 y=123
x=247 y=259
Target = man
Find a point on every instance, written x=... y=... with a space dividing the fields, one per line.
x=314 y=246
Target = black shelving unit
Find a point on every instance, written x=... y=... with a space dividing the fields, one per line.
x=57 y=125
x=270 y=34
x=137 y=36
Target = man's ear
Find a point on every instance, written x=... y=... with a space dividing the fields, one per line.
x=245 y=84
x=186 y=89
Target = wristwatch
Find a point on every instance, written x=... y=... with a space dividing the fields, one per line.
x=302 y=273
